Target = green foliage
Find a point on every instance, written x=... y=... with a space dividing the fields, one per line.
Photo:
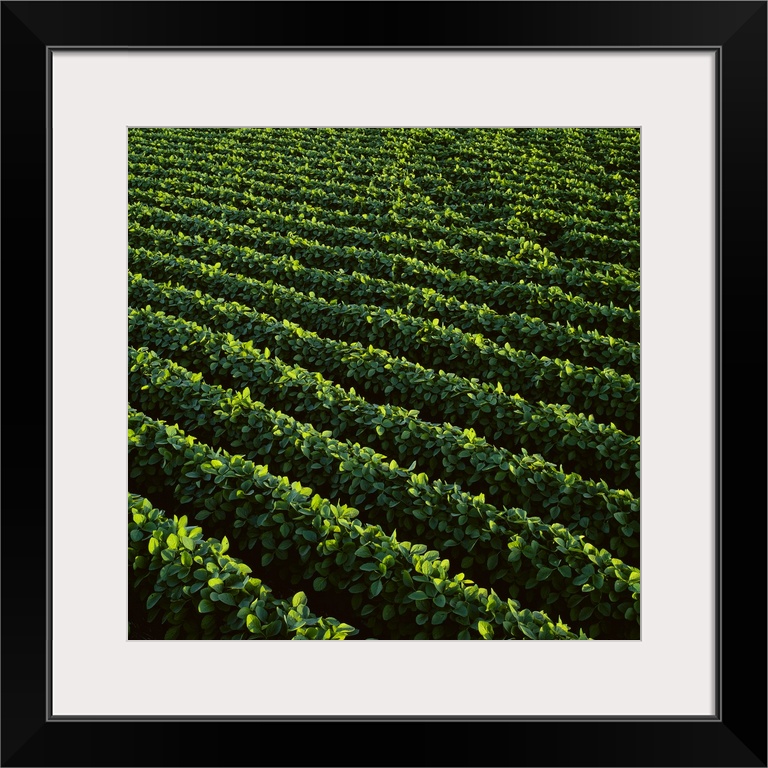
x=178 y=583
x=343 y=546
x=366 y=354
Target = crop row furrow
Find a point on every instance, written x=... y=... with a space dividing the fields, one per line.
x=422 y=210
x=606 y=518
x=189 y=583
x=588 y=178
x=587 y=447
x=607 y=394
x=487 y=256
x=331 y=281
x=407 y=181
x=572 y=234
x=437 y=514
x=550 y=303
x=415 y=214
x=322 y=542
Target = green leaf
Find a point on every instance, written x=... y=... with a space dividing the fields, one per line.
x=319 y=584
x=172 y=542
x=206 y=606
x=604 y=608
x=438 y=617
x=485 y=629
x=153 y=598
x=273 y=628
x=528 y=632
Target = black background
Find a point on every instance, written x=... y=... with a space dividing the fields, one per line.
x=737 y=737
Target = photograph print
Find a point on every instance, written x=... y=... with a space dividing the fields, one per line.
x=384 y=383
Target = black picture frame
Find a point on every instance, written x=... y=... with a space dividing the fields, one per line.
x=736 y=736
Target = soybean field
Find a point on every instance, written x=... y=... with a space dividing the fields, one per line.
x=384 y=383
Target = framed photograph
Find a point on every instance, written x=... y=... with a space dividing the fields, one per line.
x=667 y=100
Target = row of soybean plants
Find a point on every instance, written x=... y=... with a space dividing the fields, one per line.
x=445 y=237
x=396 y=588
x=610 y=350
x=565 y=202
x=427 y=161
x=375 y=249
x=608 y=395
x=194 y=261
x=553 y=203
x=579 y=442
x=375 y=483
